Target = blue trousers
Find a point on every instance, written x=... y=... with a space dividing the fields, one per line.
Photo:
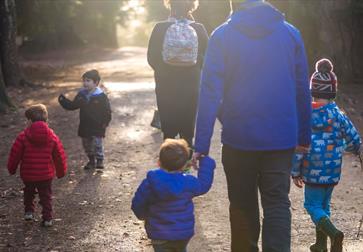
x=317 y=201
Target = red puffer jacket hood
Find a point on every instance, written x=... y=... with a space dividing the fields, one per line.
x=38 y=133
x=39 y=152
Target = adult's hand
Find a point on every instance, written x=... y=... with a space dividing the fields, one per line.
x=195 y=159
x=302 y=149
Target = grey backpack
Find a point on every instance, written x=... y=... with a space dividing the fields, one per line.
x=180 y=47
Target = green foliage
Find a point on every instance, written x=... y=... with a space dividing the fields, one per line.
x=156 y=10
x=212 y=13
x=357 y=6
x=54 y=24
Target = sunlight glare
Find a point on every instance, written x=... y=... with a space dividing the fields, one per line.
x=129 y=86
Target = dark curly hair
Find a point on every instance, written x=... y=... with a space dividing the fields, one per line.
x=181 y=8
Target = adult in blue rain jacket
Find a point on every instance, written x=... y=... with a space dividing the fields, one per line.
x=255 y=80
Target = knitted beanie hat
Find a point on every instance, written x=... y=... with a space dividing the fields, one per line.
x=323 y=82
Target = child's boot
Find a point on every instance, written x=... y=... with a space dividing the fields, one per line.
x=47 y=223
x=99 y=164
x=91 y=163
x=28 y=216
x=336 y=236
x=321 y=242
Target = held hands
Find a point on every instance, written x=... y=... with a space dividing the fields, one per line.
x=195 y=159
x=302 y=149
x=298 y=181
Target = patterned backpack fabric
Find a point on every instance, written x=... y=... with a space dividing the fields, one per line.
x=180 y=47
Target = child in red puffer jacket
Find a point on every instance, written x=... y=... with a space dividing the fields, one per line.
x=40 y=154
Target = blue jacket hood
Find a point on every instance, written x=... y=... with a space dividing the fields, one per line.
x=321 y=118
x=256 y=19
x=96 y=92
x=166 y=185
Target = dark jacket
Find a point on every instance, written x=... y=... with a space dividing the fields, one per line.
x=255 y=79
x=164 y=201
x=94 y=114
x=39 y=152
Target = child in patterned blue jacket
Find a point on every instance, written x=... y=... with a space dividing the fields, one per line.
x=164 y=198
x=320 y=168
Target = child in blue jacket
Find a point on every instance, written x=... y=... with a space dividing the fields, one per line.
x=164 y=198
x=320 y=168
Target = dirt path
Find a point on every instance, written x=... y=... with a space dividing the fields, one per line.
x=92 y=210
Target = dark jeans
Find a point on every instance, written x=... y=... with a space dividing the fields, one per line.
x=170 y=246
x=44 y=189
x=266 y=171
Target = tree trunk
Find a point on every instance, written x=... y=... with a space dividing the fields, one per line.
x=12 y=74
x=4 y=99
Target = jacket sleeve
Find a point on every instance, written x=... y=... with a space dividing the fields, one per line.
x=203 y=43
x=351 y=136
x=140 y=202
x=154 y=57
x=211 y=94
x=107 y=112
x=303 y=96
x=59 y=158
x=205 y=176
x=297 y=165
x=67 y=104
x=16 y=154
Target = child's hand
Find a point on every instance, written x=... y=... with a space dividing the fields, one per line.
x=302 y=149
x=195 y=159
x=298 y=182
x=61 y=97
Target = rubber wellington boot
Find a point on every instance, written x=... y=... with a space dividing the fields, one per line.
x=336 y=236
x=91 y=163
x=321 y=242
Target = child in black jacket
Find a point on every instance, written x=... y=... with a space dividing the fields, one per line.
x=94 y=116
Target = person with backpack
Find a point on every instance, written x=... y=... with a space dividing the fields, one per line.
x=176 y=54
